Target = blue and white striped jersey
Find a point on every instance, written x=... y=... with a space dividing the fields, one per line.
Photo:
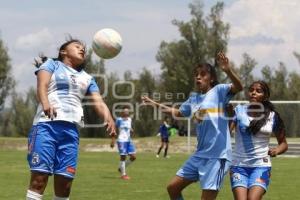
x=66 y=91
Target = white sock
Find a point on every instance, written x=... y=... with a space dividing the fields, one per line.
x=60 y=198
x=128 y=162
x=31 y=195
x=122 y=167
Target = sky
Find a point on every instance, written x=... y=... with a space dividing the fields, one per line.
x=268 y=30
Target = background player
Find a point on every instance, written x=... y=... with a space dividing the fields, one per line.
x=164 y=135
x=125 y=144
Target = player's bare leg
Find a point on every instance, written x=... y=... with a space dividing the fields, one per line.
x=62 y=186
x=256 y=193
x=38 y=182
x=175 y=187
x=240 y=193
x=209 y=194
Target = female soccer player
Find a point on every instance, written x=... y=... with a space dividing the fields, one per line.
x=210 y=162
x=125 y=144
x=255 y=123
x=164 y=135
x=53 y=139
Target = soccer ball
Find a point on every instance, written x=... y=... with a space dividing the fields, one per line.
x=107 y=43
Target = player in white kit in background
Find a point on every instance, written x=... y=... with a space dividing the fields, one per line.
x=125 y=144
x=251 y=163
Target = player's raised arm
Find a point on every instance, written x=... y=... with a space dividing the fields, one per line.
x=103 y=112
x=223 y=63
x=165 y=109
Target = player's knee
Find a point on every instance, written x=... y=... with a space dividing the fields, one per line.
x=171 y=188
x=254 y=197
x=38 y=184
x=132 y=158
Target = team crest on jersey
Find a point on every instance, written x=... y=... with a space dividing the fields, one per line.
x=199 y=115
x=35 y=159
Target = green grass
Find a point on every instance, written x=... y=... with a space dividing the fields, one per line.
x=97 y=178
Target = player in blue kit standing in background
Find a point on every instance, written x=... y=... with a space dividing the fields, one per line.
x=211 y=160
x=54 y=139
x=125 y=144
x=164 y=136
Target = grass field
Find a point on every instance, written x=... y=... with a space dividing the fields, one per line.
x=97 y=177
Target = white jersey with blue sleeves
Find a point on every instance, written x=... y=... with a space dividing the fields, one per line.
x=208 y=111
x=124 y=127
x=251 y=150
x=66 y=91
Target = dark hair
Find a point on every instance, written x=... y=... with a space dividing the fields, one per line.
x=256 y=125
x=42 y=58
x=210 y=69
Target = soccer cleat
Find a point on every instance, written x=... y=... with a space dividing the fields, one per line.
x=119 y=169
x=125 y=177
x=157 y=156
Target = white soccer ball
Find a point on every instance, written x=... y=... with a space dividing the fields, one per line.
x=107 y=43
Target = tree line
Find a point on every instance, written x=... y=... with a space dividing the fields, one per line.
x=202 y=37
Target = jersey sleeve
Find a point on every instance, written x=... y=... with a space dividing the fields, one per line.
x=93 y=87
x=224 y=92
x=185 y=108
x=48 y=66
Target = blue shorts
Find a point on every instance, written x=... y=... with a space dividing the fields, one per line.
x=250 y=176
x=126 y=148
x=53 y=148
x=209 y=172
x=165 y=139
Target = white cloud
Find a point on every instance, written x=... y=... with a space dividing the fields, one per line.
x=268 y=30
x=34 y=40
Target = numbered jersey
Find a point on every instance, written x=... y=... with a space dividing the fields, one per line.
x=124 y=127
x=66 y=90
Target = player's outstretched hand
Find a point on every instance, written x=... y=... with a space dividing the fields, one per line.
x=223 y=62
x=146 y=100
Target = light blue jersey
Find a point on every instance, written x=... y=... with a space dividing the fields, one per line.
x=66 y=90
x=251 y=150
x=212 y=129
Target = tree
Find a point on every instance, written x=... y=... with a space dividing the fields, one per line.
x=201 y=39
x=245 y=72
x=7 y=82
x=146 y=117
x=19 y=117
